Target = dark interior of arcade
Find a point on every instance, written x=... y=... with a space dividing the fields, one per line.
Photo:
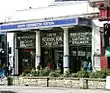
x=52 y=48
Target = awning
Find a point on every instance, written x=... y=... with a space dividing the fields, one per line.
x=99 y=23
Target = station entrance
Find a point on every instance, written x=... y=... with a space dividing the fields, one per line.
x=77 y=55
x=52 y=48
x=80 y=40
x=26 y=51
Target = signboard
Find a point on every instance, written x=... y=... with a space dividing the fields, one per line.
x=54 y=39
x=80 y=38
x=26 y=40
x=45 y=24
x=84 y=22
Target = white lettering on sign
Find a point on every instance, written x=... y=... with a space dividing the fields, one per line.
x=34 y=25
x=48 y=23
x=21 y=26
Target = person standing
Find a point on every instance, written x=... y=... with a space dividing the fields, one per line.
x=60 y=63
x=89 y=68
x=85 y=64
x=6 y=70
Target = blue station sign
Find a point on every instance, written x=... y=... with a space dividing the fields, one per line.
x=37 y=25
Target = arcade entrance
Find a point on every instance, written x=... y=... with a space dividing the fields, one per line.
x=79 y=47
x=77 y=55
x=26 y=60
x=52 y=56
x=26 y=51
x=52 y=48
x=55 y=56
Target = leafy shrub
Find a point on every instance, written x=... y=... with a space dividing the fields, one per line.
x=83 y=74
x=67 y=74
x=24 y=74
x=46 y=71
x=100 y=74
x=41 y=72
x=34 y=72
x=74 y=75
x=55 y=73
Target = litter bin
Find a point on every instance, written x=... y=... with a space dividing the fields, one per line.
x=83 y=83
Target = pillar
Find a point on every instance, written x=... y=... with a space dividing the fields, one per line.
x=66 y=50
x=38 y=49
x=95 y=47
x=15 y=55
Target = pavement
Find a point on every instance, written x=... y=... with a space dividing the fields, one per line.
x=31 y=89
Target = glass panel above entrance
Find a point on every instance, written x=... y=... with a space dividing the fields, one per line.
x=26 y=40
x=80 y=36
x=52 y=39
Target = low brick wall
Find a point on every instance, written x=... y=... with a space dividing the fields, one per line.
x=58 y=82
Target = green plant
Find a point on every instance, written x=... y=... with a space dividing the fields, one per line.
x=83 y=74
x=28 y=74
x=46 y=71
x=34 y=72
x=74 y=75
x=41 y=72
x=55 y=73
x=100 y=74
x=24 y=74
x=67 y=74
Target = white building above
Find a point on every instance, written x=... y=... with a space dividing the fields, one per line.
x=53 y=11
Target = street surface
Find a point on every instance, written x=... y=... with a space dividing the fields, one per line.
x=30 y=89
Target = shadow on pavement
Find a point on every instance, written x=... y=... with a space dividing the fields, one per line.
x=7 y=92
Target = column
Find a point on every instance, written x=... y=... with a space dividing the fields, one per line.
x=95 y=47
x=38 y=49
x=66 y=50
x=15 y=55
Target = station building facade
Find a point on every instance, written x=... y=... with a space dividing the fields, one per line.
x=51 y=35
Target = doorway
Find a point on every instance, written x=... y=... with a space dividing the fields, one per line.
x=26 y=60
x=77 y=56
x=51 y=55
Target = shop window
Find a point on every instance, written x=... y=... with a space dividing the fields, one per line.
x=26 y=40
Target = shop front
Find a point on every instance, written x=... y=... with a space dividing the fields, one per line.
x=26 y=51
x=80 y=45
x=64 y=43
